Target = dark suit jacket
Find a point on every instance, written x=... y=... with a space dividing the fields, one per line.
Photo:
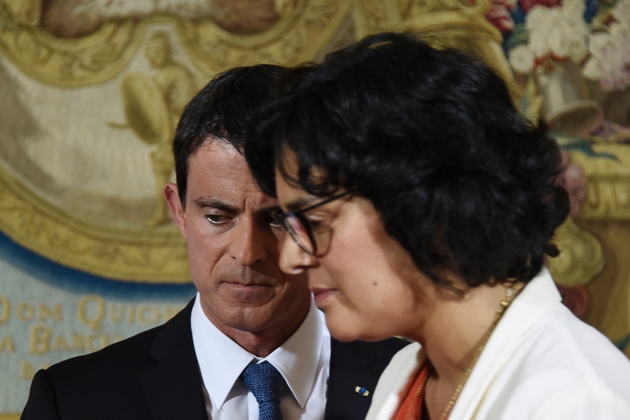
x=154 y=375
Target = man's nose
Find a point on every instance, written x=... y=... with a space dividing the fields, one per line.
x=248 y=243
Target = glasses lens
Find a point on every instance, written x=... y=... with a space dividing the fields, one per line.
x=298 y=232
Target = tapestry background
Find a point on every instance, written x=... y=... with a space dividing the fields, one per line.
x=91 y=90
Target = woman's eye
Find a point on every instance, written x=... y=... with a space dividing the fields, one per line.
x=217 y=219
x=314 y=224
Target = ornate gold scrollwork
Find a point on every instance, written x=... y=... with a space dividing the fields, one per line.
x=92 y=59
x=125 y=255
x=297 y=38
x=608 y=188
x=581 y=256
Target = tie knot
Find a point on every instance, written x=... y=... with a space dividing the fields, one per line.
x=263 y=380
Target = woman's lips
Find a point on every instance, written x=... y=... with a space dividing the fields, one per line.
x=322 y=295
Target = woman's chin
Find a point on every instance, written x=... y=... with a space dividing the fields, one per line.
x=342 y=332
x=344 y=336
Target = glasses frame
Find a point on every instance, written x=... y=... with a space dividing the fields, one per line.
x=281 y=217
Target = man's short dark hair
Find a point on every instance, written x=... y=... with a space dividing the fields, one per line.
x=221 y=110
x=460 y=178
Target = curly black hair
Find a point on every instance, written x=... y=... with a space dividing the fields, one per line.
x=432 y=138
x=221 y=110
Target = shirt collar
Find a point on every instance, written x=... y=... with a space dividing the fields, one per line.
x=297 y=358
x=220 y=357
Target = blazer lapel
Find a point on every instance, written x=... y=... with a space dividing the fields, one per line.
x=173 y=388
x=537 y=300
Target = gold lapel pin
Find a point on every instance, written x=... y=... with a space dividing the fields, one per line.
x=362 y=391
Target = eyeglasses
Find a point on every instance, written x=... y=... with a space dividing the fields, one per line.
x=301 y=230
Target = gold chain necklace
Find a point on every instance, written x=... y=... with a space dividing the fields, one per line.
x=510 y=294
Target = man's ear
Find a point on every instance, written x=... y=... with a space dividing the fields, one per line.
x=171 y=194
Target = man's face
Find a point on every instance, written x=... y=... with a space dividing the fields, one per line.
x=233 y=248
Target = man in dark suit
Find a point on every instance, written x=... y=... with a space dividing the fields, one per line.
x=246 y=312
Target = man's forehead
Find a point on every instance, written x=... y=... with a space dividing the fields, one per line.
x=219 y=177
x=217 y=158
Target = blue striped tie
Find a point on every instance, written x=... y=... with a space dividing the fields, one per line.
x=263 y=380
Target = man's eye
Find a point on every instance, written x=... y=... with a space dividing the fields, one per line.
x=217 y=219
x=272 y=222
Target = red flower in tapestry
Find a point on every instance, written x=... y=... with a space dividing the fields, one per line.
x=499 y=14
x=527 y=5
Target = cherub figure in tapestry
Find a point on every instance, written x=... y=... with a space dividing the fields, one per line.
x=153 y=104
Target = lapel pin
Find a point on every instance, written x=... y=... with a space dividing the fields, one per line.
x=362 y=391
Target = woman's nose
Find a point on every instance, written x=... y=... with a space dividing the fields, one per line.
x=293 y=259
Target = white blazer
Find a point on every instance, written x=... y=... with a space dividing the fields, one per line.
x=541 y=362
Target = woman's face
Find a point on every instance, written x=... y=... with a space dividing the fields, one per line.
x=365 y=282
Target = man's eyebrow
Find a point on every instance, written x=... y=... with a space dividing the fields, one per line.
x=221 y=205
x=269 y=209
x=214 y=203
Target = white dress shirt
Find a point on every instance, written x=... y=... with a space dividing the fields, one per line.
x=541 y=362
x=303 y=361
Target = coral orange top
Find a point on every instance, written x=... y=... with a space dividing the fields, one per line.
x=412 y=398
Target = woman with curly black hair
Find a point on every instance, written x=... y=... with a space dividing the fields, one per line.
x=424 y=205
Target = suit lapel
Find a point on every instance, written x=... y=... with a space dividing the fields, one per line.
x=173 y=388
x=356 y=365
